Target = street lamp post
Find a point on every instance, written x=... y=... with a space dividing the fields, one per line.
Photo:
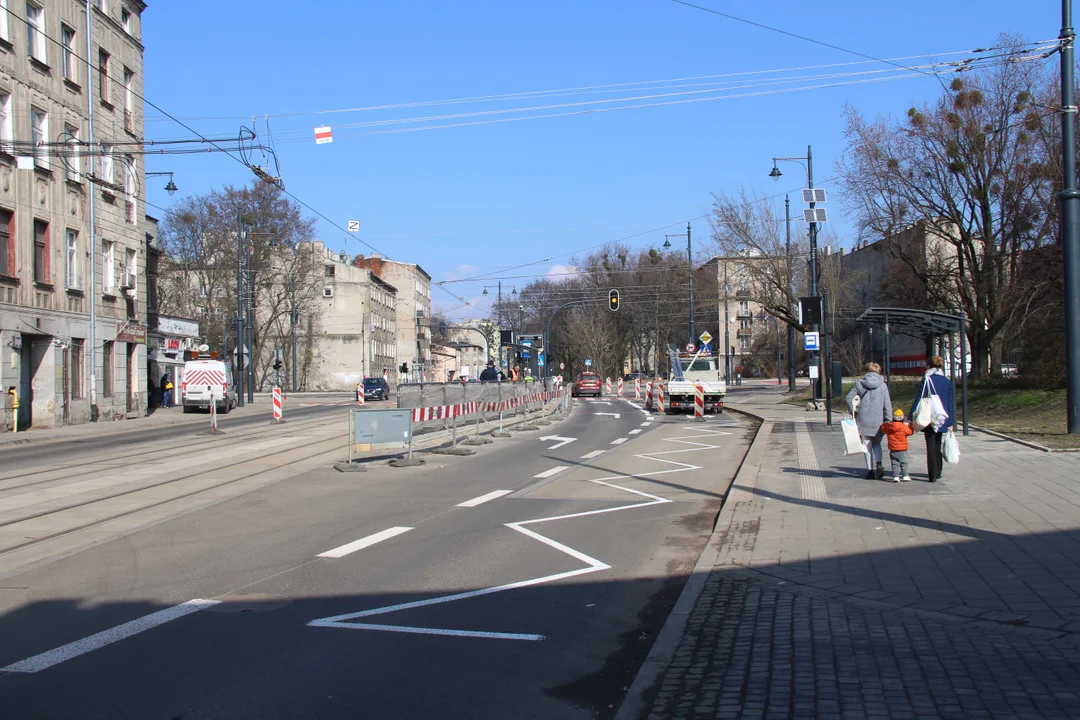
x=1070 y=242
x=690 y=268
x=775 y=175
x=791 y=295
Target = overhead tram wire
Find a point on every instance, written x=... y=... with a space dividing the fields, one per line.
x=611 y=87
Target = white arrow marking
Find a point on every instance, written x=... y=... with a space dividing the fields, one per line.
x=563 y=441
x=614 y=415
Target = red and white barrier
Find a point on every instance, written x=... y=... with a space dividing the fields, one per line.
x=620 y=387
x=637 y=388
x=447 y=412
x=699 y=402
x=660 y=398
x=276 y=395
x=609 y=386
x=360 y=395
x=649 y=395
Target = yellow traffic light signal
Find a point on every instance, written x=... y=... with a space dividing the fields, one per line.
x=613 y=300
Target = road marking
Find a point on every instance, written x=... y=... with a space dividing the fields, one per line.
x=614 y=415
x=635 y=431
x=552 y=471
x=591 y=565
x=107 y=637
x=594 y=453
x=564 y=441
x=646 y=424
x=364 y=542
x=599 y=402
x=484 y=498
x=620 y=441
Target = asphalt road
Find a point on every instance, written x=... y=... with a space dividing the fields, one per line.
x=527 y=581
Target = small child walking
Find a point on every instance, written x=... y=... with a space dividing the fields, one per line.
x=898 y=432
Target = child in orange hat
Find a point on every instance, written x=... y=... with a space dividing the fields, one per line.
x=898 y=432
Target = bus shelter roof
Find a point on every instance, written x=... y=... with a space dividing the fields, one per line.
x=918 y=323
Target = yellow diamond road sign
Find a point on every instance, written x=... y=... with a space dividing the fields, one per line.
x=705 y=338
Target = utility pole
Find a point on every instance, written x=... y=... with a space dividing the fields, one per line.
x=813 y=263
x=690 y=262
x=238 y=378
x=1069 y=235
x=292 y=322
x=249 y=253
x=727 y=324
x=791 y=296
x=92 y=242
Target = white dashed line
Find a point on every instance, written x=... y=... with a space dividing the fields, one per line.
x=107 y=637
x=484 y=498
x=362 y=543
x=620 y=441
x=647 y=423
x=594 y=453
x=552 y=471
x=635 y=432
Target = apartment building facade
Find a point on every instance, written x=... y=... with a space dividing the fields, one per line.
x=50 y=176
x=413 y=313
x=741 y=317
x=359 y=318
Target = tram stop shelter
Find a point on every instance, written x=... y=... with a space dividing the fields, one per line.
x=937 y=329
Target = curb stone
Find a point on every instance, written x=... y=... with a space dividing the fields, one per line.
x=667 y=640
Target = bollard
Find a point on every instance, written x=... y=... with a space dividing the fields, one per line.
x=660 y=397
x=637 y=388
x=620 y=387
x=360 y=395
x=649 y=395
x=609 y=386
x=699 y=402
x=276 y=395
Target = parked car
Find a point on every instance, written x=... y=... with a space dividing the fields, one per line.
x=636 y=375
x=587 y=383
x=1008 y=370
x=376 y=388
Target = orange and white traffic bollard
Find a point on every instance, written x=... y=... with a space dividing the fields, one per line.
x=660 y=398
x=360 y=395
x=648 y=395
x=699 y=402
x=276 y=396
x=620 y=387
x=637 y=388
x=609 y=386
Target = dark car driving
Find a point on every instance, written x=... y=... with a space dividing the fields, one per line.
x=376 y=388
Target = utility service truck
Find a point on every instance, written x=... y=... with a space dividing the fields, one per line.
x=688 y=370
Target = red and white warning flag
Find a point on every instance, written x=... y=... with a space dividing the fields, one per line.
x=323 y=135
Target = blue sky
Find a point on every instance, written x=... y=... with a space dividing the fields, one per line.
x=472 y=200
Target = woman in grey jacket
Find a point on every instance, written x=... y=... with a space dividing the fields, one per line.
x=874 y=408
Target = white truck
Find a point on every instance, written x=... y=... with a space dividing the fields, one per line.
x=687 y=372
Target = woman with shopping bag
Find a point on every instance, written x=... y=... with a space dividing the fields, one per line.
x=871 y=405
x=932 y=413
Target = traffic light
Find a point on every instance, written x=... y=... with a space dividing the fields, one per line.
x=277 y=363
x=404 y=368
x=613 y=300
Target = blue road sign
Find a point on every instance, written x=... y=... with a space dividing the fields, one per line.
x=706 y=349
x=812 y=341
x=588 y=363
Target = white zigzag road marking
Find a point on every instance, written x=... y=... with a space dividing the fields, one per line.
x=591 y=564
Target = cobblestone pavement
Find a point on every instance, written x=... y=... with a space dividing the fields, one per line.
x=831 y=596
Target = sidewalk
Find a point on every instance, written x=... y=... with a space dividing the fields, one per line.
x=825 y=595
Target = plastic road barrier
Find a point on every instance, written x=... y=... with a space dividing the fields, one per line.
x=699 y=402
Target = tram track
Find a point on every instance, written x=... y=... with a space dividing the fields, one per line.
x=324 y=447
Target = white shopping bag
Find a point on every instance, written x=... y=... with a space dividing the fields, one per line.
x=950 y=448
x=852 y=442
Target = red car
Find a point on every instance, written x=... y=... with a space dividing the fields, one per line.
x=587 y=383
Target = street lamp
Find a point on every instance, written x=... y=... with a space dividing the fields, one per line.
x=775 y=174
x=690 y=268
x=170 y=187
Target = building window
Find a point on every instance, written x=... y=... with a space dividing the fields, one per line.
x=103 y=77
x=130 y=270
x=129 y=189
x=129 y=100
x=7 y=251
x=744 y=343
x=35 y=31
x=744 y=307
x=73 y=166
x=78 y=361
x=4 y=21
x=71 y=266
x=108 y=267
x=39 y=135
x=67 y=52
x=107 y=164
x=125 y=20
x=107 y=360
x=41 y=252
x=5 y=123
x=328 y=270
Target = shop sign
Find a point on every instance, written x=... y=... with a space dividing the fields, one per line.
x=132 y=333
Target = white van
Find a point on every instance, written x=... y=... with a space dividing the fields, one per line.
x=203 y=377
